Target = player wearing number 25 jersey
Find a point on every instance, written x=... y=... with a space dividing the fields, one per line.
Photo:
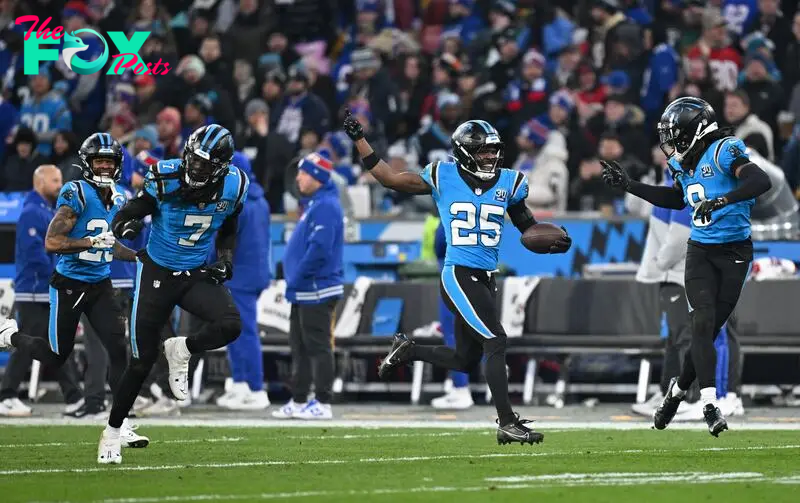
x=189 y=199
x=79 y=233
x=473 y=195
x=714 y=176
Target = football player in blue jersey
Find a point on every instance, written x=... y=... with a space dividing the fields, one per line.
x=189 y=199
x=473 y=195
x=713 y=175
x=79 y=233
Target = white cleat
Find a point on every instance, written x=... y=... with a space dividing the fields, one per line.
x=129 y=438
x=14 y=407
x=456 y=399
x=8 y=327
x=252 y=400
x=315 y=411
x=648 y=407
x=178 y=361
x=109 y=452
x=289 y=410
x=689 y=412
x=233 y=393
x=731 y=405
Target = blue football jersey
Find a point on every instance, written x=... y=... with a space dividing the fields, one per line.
x=94 y=217
x=46 y=116
x=181 y=232
x=713 y=177
x=473 y=219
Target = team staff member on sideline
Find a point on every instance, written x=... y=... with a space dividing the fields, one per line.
x=31 y=287
x=313 y=270
x=251 y=260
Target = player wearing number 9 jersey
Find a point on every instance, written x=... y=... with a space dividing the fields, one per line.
x=714 y=176
x=189 y=199
x=473 y=195
x=79 y=233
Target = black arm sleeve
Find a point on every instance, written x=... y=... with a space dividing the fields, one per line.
x=226 y=237
x=521 y=216
x=659 y=195
x=135 y=209
x=753 y=182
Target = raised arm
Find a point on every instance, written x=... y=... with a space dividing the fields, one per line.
x=57 y=239
x=405 y=181
x=658 y=195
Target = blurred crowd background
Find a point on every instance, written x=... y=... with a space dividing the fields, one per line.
x=566 y=83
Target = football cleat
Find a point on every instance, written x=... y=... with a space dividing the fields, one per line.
x=397 y=356
x=14 y=407
x=90 y=410
x=250 y=400
x=164 y=406
x=109 y=451
x=314 y=410
x=714 y=419
x=129 y=438
x=178 y=366
x=518 y=432
x=455 y=399
x=289 y=410
x=665 y=412
x=8 y=327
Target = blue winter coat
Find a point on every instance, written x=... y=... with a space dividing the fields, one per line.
x=34 y=265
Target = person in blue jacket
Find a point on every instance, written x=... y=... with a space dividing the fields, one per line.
x=251 y=259
x=31 y=287
x=312 y=265
x=459 y=397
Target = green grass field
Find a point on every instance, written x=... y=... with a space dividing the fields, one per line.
x=337 y=464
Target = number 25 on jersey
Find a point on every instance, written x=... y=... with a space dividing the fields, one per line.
x=468 y=222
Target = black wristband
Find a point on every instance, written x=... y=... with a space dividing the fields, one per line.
x=370 y=161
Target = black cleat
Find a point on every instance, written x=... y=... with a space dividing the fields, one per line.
x=397 y=356
x=714 y=419
x=518 y=432
x=669 y=407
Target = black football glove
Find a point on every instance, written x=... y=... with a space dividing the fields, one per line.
x=615 y=175
x=705 y=208
x=563 y=244
x=352 y=126
x=128 y=229
x=219 y=272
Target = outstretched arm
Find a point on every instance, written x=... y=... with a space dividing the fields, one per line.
x=405 y=181
x=658 y=195
x=57 y=239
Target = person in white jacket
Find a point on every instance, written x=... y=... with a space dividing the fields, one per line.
x=543 y=159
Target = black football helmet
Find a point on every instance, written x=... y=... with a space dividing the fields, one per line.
x=683 y=123
x=206 y=156
x=478 y=149
x=101 y=146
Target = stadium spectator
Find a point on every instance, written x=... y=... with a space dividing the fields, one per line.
x=526 y=96
x=249 y=31
x=245 y=89
x=698 y=83
x=31 y=286
x=613 y=30
x=168 y=123
x=17 y=173
x=217 y=66
x=413 y=87
x=790 y=64
x=543 y=159
x=714 y=47
x=65 y=155
x=45 y=111
x=300 y=110
x=754 y=132
x=196 y=114
x=273 y=88
x=625 y=120
x=772 y=23
x=313 y=269
x=765 y=93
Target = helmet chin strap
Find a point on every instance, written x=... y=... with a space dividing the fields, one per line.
x=679 y=156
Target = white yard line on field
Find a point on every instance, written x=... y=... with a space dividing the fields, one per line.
x=554 y=481
x=545 y=426
x=174 y=441
x=402 y=459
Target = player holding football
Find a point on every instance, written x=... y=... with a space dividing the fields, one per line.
x=81 y=284
x=714 y=175
x=189 y=200
x=472 y=194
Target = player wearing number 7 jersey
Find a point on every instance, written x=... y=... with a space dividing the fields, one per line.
x=189 y=199
x=79 y=232
x=473 y=195
x=714 y=176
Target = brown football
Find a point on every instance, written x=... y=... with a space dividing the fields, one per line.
x=541 y=236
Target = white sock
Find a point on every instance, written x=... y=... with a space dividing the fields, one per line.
x=111 y=432
x=708 y=396
x=677 y=392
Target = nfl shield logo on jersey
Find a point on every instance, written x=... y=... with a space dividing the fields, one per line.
x=156 y=284
x=706 y=171
x=500 y=195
